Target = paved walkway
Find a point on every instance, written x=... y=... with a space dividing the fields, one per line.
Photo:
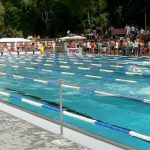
x=17 y=134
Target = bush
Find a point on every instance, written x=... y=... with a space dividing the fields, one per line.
x=10 y=32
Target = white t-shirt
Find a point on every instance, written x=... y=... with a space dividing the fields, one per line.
x=142 y=31
x=135 y=44
x=88 y=45
x=117 y=45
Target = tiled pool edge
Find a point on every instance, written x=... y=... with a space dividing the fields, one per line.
x=71 y=133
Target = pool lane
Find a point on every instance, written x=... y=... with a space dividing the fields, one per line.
x=118 y=111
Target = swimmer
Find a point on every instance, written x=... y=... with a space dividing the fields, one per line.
x=134 y=69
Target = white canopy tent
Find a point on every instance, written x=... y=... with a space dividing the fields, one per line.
x=77 y=37
x=13 y=40
x=65 y=38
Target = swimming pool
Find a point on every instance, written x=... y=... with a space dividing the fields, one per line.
x=109 y=95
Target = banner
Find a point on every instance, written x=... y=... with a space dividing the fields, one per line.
x=74 y=51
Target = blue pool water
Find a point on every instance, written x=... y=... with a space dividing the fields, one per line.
x=128 y=113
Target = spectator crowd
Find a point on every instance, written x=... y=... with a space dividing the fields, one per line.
x=134 y=42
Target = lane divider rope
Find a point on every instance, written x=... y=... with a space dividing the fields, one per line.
x=95 y=69
x=83 y=74
x=86 y=89
x=82 y=118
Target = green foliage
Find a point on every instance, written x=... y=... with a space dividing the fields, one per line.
x=128 y=12
x=2 y=12
x=52 y=18
x=12 y=32
x=96 y=14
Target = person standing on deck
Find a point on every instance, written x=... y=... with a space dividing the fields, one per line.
x=9 y=48
x=33 y=48
x=1 y=49
x=53 y=46
x=136 y=48
x=42 y=49
x=18 y=48
x=93 y=46
x=116 y=49
x=149 y=48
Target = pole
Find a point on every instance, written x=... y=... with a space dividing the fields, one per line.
x=61 y=110
x=145 y=20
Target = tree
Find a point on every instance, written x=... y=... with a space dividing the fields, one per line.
x=128 y=12
x=75 y=17
x=96 y=15
x=53 y=18
x=2 y=13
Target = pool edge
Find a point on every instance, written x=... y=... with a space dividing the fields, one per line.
x=72 y=133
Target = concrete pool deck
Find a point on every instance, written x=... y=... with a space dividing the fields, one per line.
x=21 y=130
x=17 y=134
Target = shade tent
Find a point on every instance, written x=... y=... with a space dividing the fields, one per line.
x=65 y=38
x=77 y=37
x=13 y=40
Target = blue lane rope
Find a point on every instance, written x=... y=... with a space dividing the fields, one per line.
x=80 y=74
x=113 y=79
x=86 y=89
x=115 y=128
x=102 y=60
x=77 y=59
x=89 y=63
x=83 y=118
x=102 y=66
x=100 y=69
